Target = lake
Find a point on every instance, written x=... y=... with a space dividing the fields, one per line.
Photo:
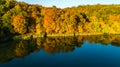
x=79 y=51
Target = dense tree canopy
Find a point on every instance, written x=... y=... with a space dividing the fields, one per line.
x=21 y=18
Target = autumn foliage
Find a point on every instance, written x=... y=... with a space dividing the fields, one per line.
x=22 y=18
x=20 y=24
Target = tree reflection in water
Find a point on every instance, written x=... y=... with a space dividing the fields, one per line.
x=52 y=45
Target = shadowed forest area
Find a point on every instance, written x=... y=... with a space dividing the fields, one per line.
x=18 y=18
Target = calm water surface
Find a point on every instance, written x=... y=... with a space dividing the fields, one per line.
x=81 y=51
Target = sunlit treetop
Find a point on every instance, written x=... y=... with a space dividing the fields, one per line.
x=70 y=3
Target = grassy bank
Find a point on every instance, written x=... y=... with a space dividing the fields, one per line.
x=76 y=34
x=29 y=36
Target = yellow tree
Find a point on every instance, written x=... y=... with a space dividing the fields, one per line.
x=20 y=24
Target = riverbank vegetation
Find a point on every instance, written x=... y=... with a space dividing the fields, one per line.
x=19 y=18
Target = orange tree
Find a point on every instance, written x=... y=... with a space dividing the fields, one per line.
x=20 y=24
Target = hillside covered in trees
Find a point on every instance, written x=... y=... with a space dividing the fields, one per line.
x=18 y=18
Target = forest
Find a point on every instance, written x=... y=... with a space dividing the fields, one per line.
x=19 y=18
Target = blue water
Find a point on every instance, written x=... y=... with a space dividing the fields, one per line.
x=88 y=55
x=81 y=51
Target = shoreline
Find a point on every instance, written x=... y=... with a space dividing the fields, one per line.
x=29 y=36
x=76 y=34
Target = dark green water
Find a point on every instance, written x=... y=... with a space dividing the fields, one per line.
x=81 y=51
